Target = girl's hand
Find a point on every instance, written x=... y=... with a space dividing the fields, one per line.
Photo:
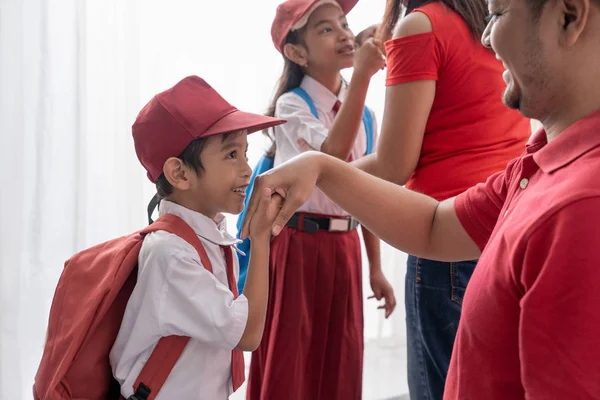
x=366 y=34
x=369 y=58
x=383 y=290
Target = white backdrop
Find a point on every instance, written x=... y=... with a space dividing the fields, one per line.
x=73 y=75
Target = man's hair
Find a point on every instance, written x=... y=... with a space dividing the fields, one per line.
x=536 y=7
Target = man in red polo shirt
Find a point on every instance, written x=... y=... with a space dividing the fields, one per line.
x=530 y=326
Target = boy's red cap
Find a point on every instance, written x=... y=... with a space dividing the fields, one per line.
x=189 y=110
x=291 y=11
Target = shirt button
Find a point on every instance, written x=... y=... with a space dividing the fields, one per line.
x=524 y=182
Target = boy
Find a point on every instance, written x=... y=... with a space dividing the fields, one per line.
x=193 y=145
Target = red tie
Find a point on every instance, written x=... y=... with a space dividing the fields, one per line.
x=335 y=109
x=237 y=356
x=336 y=106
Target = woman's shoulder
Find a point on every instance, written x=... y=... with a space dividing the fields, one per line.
x=414 y=23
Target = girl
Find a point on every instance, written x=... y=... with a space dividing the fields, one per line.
x=444 y=130
x=313 y=342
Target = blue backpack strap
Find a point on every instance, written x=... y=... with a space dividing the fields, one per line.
x=367 y=117
x=311 y=105
x=369 y=128
x=264 y=164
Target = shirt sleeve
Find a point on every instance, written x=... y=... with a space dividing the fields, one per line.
x=300 y=122
x=560 y=309
x=413 y=58
x=192 y=300
x=479 y=207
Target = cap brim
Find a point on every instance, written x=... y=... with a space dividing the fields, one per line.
x=240 y=120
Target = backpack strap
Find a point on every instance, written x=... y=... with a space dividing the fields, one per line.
x=369 y=130
x=168 y=350
x=367 y=117
x=311 y=105
x=152 y=206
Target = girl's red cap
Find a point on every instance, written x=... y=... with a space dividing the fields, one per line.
x=293 y=15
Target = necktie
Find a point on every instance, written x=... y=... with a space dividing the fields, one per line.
x=336 y=106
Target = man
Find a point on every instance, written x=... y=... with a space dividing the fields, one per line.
x=530 y=326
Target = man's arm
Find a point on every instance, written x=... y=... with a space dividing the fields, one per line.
x=407 y=220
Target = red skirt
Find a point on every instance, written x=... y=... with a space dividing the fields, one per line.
x=312 y=347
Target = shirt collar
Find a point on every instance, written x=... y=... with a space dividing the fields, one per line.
x=215 y=231
x=572 y=143
x=323 y=97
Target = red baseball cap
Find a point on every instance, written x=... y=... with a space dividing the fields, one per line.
x=293 y=15
x=189 y=110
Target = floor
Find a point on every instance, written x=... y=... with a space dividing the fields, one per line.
x=384 y=376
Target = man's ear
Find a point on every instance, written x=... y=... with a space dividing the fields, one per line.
x=574 y=17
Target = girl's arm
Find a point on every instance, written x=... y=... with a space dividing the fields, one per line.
x=342 y=133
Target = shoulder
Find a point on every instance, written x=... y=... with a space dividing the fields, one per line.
x=415 y=23
x=571 y=223
x=288 y=98
x=290 y=103
x=164 y=247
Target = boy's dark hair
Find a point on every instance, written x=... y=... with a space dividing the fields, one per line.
x=190 y=157
x=290 y=78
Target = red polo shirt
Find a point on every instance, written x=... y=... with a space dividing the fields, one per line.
x=530 y=325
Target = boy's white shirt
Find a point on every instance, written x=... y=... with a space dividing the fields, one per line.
x=302 y=124
x=175 y=295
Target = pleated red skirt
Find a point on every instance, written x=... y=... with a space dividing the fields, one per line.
x=312 y=347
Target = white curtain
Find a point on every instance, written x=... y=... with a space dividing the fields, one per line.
x=73 y=75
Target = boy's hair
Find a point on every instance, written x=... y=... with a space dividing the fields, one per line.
x=190 y=157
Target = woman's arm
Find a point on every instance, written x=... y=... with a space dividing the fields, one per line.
x=405 y=116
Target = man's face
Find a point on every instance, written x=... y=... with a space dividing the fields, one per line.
x=528 y=46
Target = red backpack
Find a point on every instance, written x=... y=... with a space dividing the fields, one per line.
x=86 y=315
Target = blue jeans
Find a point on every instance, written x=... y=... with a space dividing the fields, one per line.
x=434 y=294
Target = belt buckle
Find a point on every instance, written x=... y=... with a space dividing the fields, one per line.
x=339 y=225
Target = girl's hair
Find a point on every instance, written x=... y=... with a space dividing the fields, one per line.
x=290 y=78
x=473 y=12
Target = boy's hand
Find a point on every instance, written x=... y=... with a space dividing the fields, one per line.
x=383 y=290
x=369 y=58
x=294 y=187
x=262 y=221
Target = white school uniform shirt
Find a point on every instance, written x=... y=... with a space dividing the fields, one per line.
x=302 y=124
x=175 y=295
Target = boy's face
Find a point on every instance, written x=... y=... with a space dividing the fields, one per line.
x=221 y=186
